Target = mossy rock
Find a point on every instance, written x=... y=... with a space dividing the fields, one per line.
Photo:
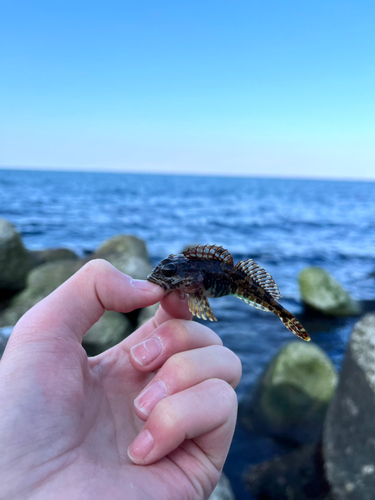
x=15 y=261
x=127 y=253
x=41 y=281
x=321 y=292
x=124 y=244
x=40 y=257
x=111 y=329
x=292 y=396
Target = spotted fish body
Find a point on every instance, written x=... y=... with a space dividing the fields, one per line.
x=209 y=271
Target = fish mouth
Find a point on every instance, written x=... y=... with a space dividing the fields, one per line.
x=155 y=280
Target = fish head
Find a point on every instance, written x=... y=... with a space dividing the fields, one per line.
x=176 y=273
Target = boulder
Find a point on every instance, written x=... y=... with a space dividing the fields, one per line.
x=127 y=253
x=298 y=475
x=107 y=332
x=131 y=265
x=40 y=257
x=292 y=396
x=223 y=490
x=323 y=293
x=15 y=261
x=41 y=281
x=124 y=243
x=349 y=431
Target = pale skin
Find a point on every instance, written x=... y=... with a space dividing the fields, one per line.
x=73 y=427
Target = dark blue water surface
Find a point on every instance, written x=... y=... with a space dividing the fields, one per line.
x=284 y=225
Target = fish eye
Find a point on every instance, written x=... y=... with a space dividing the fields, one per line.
x=169 y=269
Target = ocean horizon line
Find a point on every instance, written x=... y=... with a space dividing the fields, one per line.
x=145 y=172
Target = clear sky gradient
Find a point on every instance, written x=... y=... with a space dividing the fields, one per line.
x=270 y=88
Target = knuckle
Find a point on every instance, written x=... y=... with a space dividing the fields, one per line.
x=235 y=364
x=165 y=415
x=173 y=327
x=97 y=266
x=225 y=393
x=176 y=368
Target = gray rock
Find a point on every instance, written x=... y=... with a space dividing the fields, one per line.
x=111 y=329
x=292 y=396
x=349 y=434
x=323 y=293
x=135 y=267
x=41 y=281
x=44 y=279
x=40 y=257
x=223 y=490
x=298 y=475
x=128 y=254
x=15 y=261
x=124 y=243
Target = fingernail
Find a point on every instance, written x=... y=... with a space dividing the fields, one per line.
x=146 y=351
x=148 y=398
x=141 y=446
x=145 y=286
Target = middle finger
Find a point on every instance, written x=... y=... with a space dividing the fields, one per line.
x=186 y=369
x=169 y=338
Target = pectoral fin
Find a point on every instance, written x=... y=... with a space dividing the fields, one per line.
x=199 y=306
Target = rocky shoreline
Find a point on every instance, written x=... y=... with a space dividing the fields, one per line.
x=327 y=420
x=38 y=273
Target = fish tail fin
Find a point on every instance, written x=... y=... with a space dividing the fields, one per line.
x=293 y=324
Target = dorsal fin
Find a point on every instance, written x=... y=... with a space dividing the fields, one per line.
x=260 y=275
x=212 y=252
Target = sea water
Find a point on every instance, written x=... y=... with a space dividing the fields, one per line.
x=283 y=224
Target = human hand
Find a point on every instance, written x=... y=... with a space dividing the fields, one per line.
x=67 y=421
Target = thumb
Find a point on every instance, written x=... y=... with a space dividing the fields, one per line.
x=71 y=310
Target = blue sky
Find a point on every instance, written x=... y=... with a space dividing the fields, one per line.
x=273 y=88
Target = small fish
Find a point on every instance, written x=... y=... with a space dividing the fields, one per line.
x=209 y=271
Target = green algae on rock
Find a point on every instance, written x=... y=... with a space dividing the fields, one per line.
x=111 y=329
x=52 y=255
x=320 y=291
x=41 y=281
x=15 y=261
x=127 y=253
x=292 y=396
